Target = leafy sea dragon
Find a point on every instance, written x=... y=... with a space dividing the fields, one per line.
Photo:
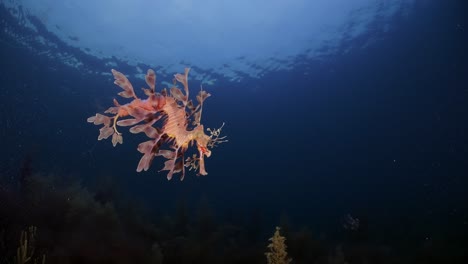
x=175 y=111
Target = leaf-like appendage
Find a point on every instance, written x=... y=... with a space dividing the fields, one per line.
x=137 y=129
x=112 y=110
x=116 y=139
x=196 y=118
x=169 y=165
x=105 y=132
x=145 y=162
x=168 y=154
x=184 y=80
x=116 y=103
x=151 y=132
x=137 y=112
x=150 y=79
x=148 y=92
x=202 y=95
x=178 y=95
x=100 y=119
x=124 y=83
x=128 y=122
x=179 y=167
x=146 y=146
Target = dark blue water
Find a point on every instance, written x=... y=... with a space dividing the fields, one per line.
x=379 y=133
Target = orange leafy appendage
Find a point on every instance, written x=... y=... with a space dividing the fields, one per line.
x=176 y=113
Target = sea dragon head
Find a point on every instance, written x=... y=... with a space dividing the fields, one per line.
x=204 y=145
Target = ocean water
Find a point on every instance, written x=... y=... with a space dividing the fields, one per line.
x=347 y=129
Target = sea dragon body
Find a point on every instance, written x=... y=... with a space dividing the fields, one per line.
x=175 y=110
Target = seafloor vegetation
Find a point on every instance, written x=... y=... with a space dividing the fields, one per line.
x=49 y=219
